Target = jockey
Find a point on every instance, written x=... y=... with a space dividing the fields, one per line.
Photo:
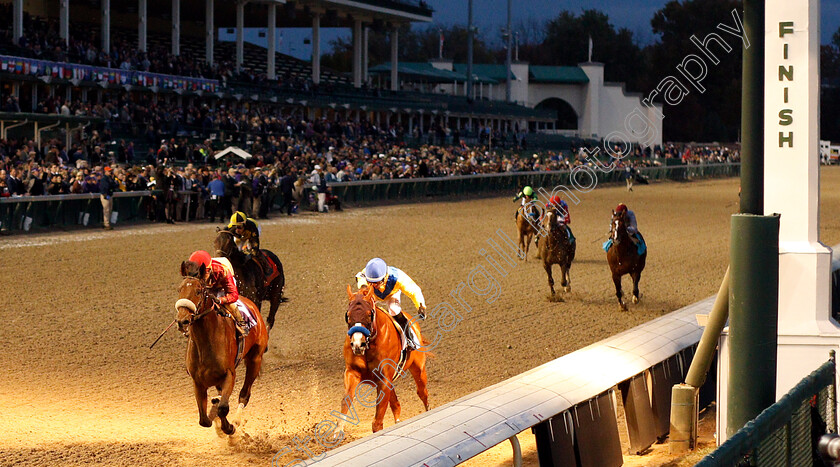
x=561 y=207
x=527 y=196
x=246 y=233
x=219 y=278
x=388 y=283
x=630 y=222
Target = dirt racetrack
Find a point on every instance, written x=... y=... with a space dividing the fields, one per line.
x=80 y=385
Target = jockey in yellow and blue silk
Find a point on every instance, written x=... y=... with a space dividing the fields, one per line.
x=389 y=283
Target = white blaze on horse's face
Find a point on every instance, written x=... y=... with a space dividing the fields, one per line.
x=358 y=343
x=615 y=230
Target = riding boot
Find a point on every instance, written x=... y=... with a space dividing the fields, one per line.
x=571 y=235
x=411 y=337
x=241 y=326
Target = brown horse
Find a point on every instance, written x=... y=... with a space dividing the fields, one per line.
x=624 y=258
x=250 y=278
x=371 y=352
x=212 y=354
x=527 y=218
x=557 y=248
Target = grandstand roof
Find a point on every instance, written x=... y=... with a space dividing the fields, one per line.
x=425 y=71
x=490 y=71
x=557 y=74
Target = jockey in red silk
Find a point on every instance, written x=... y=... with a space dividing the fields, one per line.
x=219 y=277
x=388 y=284
x=564 y=217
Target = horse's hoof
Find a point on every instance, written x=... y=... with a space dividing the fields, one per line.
x=635 y=299
x=215 y=400
x=568 y=288
x=231 y=431
x=217 y=424
x=205 y=423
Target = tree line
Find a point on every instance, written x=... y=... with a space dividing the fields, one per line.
x=711 y=115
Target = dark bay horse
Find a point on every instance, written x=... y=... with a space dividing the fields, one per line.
x=250 y=279
x=212 y=348
x=557 y=248
x=371 y=352
x=624 y=258
x=527 y=229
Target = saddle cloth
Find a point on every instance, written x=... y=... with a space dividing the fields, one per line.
x=274 y=270
x=250 y=320
x=640 y=248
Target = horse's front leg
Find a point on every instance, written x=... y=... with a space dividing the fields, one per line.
x=382 y=405
x=396 y=408
x=528 y=238
x=522 y=247
x=224 y=403
x=201 y=400
x=618 y=293
x=547 y=267
x=565 y=280
x=351 y=379
x=637 y=276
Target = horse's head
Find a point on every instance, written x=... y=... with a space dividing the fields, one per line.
x=224 y=243
x=359 y=317
x=617 y=226
x=193 y=296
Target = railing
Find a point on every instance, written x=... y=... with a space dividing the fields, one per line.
x=115 y=76
x=415 y=188
x=26 y=213
x=786 y=432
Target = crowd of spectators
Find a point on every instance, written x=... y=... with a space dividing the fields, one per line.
x=41 y=40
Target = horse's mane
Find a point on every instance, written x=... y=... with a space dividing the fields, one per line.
x=191 y=269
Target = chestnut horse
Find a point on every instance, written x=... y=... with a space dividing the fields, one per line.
x=557 y=248
x=212 y=348
x=250 y=278
x=371 y=351
x=527 y=229
x=624 y=258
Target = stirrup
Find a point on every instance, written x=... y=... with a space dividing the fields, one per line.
x=241 y=328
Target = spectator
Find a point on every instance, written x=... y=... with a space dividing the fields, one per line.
x=107 y=186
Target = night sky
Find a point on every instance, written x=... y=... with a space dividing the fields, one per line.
x=634 y=15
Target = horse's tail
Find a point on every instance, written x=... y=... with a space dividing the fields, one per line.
x=426 y=342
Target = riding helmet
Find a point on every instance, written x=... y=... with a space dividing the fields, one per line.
x=527 y=191
x=237 y=219
x=620 y=208
x=376 y=270
x=201 y=257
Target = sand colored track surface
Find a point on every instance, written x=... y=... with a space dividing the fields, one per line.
x=80 y=385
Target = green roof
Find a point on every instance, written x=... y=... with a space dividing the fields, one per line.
x=425 y=70
x=557 y=74
x=494 y=72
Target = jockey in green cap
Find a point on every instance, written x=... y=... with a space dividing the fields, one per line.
x=527 y=196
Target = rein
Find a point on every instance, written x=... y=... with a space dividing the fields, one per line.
x=195 y=317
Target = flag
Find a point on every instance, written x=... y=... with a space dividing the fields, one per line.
x=590 y=48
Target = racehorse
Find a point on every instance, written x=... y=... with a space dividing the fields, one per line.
x=624 y=258
x=250 y=278
x=527 y=229
x=371 y=351
x=212 y=352
x=557 y=248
